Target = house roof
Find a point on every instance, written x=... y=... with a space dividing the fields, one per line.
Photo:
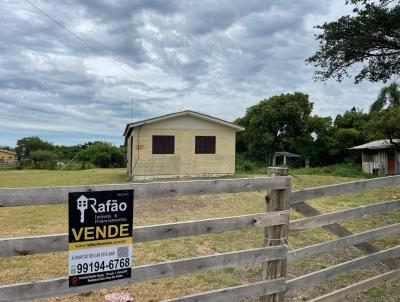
x=183 y=113
x=379 y=144
x=8 y=151
x=288 y=154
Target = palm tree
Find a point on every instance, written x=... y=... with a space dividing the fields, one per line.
x=388 y=96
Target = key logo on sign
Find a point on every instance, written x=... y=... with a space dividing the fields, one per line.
x=82 y=205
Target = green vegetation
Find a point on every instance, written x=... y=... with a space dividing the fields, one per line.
x=43 y=178
x=285 y=123
x=279 y=123
x=273 y=124
x=52 y=219
x=35 y=153
x=340 y=170
x=385 y=113
x=103 y=155
x=248 y=166
x=351 y=170
x=366 y=40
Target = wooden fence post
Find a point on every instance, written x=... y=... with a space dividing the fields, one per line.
x=276 y=200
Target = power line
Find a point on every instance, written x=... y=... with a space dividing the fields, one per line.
x=60 y=24
x=77 y=36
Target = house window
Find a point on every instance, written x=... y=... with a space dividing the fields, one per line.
x=163 y=144
x=205 y=145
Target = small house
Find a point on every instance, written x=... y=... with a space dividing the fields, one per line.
x=380 y=157
x=8 y=159
x=184 y=143
x=7 y=156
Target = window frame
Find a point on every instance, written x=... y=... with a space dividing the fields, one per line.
x=201 y=149
x=163 y=149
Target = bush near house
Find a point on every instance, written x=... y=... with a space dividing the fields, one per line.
x=339 y=170
x=36 y=153
x=103 y=155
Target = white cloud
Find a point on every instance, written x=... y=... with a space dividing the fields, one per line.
x=214 y=57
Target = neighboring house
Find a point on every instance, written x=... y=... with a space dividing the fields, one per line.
x=8 y=159
x=7 y=156
x=185 y=143
x=380 y=157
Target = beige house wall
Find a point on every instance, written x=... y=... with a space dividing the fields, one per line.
x=7 y=157
x=184 y=162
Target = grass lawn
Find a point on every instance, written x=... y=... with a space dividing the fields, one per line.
x=42 y=178
x=52 y=219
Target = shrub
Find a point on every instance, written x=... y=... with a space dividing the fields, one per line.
x=340 y=170
x=43 y=155
x=103 y=155
x=244 y=165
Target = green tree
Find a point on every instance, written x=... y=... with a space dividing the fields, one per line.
x=369 y=38
x=103 y=155
x=7 y=148
x=274 y=124
x=68 y=152
x=320 y=140
x=27 y=145
x=353 y=118
x=389 y=97
x=349 y=130
x=43 y=155
x=385 y=115
x=387 y=125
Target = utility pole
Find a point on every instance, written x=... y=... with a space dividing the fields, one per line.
x=132 y=110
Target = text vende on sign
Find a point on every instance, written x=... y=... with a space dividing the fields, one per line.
x=100 y=236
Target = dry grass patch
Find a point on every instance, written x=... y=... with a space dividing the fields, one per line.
x=51 y=219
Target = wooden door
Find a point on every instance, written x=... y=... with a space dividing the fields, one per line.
x=391 y=162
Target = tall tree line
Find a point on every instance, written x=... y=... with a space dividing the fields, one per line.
x=37 y=153
x=285 y=123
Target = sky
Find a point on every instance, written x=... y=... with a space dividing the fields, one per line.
x=214 y=57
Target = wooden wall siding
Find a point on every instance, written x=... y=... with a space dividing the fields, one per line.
x=184 y=161
x=377 y=157
x=397 y=156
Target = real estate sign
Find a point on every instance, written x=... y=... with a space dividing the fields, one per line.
x=100 y=236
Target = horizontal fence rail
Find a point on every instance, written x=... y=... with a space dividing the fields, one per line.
x=11 y=197
x=55 y=243
x=348 y=214
x=237 y=293
x=341 y=243
x=330 y=272
x=59 y=286
x=338 y=189
x=340 y=294
x=275 y=287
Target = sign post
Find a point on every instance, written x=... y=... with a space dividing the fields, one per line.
x=100 y=236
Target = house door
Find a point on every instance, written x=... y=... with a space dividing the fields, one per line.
x=391 y=162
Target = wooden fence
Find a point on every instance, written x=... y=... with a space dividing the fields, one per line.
x=9 y=164
x=273 y=257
